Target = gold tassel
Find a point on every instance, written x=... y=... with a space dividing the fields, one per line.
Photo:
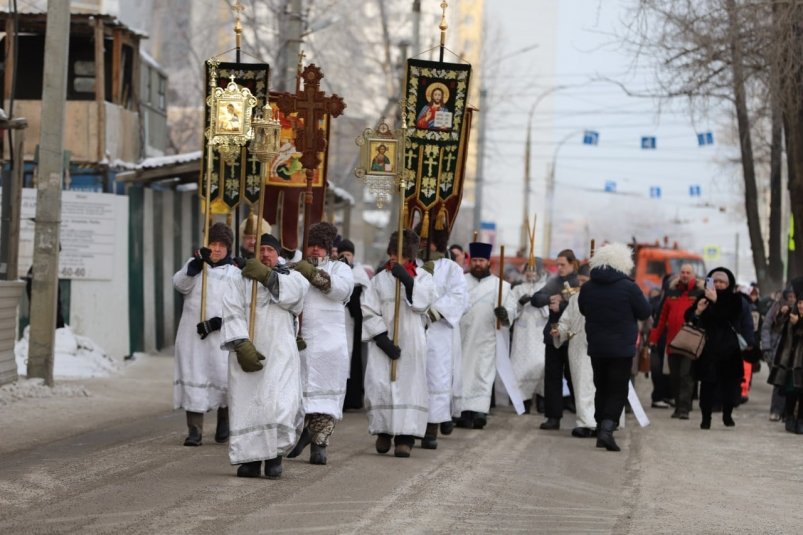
x=440 y=221
x=425 y=225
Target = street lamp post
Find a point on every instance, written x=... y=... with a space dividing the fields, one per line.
x=550 y=193
x=484 y=117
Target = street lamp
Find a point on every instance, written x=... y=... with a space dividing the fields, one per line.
x=485 y=115
x=550 y=193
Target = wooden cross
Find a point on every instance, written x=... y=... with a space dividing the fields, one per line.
x=310 y=104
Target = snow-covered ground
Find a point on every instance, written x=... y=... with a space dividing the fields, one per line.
x=75 y=357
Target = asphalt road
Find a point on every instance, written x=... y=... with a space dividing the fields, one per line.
x=134 y=476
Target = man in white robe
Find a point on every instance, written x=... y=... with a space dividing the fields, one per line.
x=443 y=337
x=572 y=327
x=200 y=382
x=325 y=361
x=265 y=403
x=353 y=315
x=527 y=346
x=397 y=409
x=478 y=330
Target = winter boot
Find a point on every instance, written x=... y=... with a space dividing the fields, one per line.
x=195 y=425
x=551 y=424
x=222 y=429
x=303 y=440
x=528 y=406
x=430 y=440
x=249 y=469
x=605 y=436
x=799 y=427
x=317 y=454
x=404 y=445
x=727 y=418
x=447 y=428
x=480 y=420
x=273 y=468
x=382 y=443
x=466 y=420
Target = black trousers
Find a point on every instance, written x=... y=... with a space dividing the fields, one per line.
x=682 y=382
x=727 y=390
x=611 y=378
x=556 y=367
x=660 y=381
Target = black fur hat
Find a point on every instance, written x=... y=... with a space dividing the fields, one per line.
x=322 y=234
x=409 y=245
x=346 y=245
x=221 y=233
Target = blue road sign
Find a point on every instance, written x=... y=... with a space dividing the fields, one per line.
x=590 y=137
x=647 y=142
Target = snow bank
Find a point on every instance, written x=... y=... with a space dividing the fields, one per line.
x=76 y=357
x=36 y=388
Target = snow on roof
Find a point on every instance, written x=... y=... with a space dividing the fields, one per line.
x=377 y=218
x=340 y=192
x=161 y=161
x=147 y=58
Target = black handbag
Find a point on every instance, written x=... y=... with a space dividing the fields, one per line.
x=688 y=342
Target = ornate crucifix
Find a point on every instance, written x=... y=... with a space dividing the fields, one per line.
x=311 y=105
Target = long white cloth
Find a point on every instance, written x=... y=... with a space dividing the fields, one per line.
x=326 y=360
x=443 y=338
x=527 y=348
x=200 y=380
x=572 y=327
x=478 y=330
x=399 y=407
x=266 y=412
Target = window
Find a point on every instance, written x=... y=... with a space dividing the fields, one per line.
x=656 y=267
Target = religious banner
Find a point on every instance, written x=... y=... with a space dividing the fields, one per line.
x=242 y=176
x=299 y=170
x=438 y=122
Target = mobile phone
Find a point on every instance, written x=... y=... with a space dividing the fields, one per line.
x=709 y=283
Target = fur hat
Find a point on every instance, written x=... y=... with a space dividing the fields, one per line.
x=616 y=256
x=346 y=246
x=248 y=226
x=409 y=245
x=322 y=234
x=270 y=241
x=221 y=233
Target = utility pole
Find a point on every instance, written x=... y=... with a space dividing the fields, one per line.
x=478 y=180
x=44 y=288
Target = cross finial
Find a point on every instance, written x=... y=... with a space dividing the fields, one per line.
x=237 y=8
x=238 y=29
x=443 y=25
x=300 y=65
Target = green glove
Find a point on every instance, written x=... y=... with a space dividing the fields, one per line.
x=305 y=268
x=256 y=270
x=248 y=356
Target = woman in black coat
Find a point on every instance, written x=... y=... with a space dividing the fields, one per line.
x=719 y=369
x=612 y=305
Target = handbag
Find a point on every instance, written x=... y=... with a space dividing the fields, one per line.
x=688 y=342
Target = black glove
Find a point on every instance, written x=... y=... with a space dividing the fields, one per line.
x=248 y=356
x=501 y=315
x=238 y=261
x=256 y=270
x=524 y=299
x=406 y=279
x=386 y=344
x=199 y=256
x=205 y=328
x=305 y=268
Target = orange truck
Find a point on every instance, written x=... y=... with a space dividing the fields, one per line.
x=654 y=262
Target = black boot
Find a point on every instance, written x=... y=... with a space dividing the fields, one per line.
x=317 y=454
x=303 y=440
x=273 y=468
x=447 y=428
x=480 y=420
x=605 y=436
x=528 y=405
x=430 y=440
x=551 y=424
x=222 y=430
x=195 y=425
x=727 y=418
x=706 y=422
x=790 y=423
x=249 y=469
x=466 y=420
x=539 y=404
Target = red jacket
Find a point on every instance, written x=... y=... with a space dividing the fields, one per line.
x=676 y=302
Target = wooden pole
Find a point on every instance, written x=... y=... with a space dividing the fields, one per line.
x=501 y=281
x=252 y=313
x=591 y=249
x=207 y=211
x=399 y=248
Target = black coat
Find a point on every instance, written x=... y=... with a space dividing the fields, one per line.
x=612 y=305
x=721 y=357
x=554 y=286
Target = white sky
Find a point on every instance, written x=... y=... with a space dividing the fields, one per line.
x=584 y=49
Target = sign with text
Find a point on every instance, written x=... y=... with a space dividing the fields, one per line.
x=88 y=227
